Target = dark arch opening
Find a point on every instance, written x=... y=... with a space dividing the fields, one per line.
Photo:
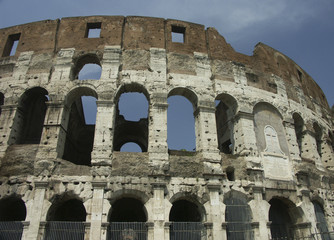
x=12 y=209
x=185 y=211
x=185 y=218
x=281 y=223
x=238 y=218
x=12 y=213
x=226 y=107
x=321 y=221
x=71 y=210
x=89 y=61
x=299 y=127
x=127 y=210
x=30 y=116
x=81 y=126
x=66 y=220
x=131 y=122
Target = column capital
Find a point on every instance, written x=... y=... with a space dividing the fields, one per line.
x=41 y=184
x=99 y=184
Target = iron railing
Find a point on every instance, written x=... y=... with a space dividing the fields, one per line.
x=187 y=231
x=311 y=236
x=11 y=230
x=239 y=230
x=127 y=231
x=64 y=231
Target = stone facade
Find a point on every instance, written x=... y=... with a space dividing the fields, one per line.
x=266 y=147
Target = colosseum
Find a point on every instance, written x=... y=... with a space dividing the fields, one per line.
x=263 y=163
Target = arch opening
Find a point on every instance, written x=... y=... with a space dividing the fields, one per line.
x=130 y=147
x=238 y=217
x=81 y=126
x=29 y=119
x=226 y=107
x=299 y=128
x=281 y=222
x=71 y=210
x=90 y=71
x=127 y=219
x=131 y=122
x=87 y=67
x=12 y=209
x=180 y=124
x=321 y=221
x=65 y=219
x=12 y=213
x=186 y=221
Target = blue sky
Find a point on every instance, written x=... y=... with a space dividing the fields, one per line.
x=301 y=29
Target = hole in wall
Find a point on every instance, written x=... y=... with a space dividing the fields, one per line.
x=130 y=147
x=90 y=71
x=133 y=106
x=180 y=124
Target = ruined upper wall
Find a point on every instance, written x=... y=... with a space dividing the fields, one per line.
x=46 y=38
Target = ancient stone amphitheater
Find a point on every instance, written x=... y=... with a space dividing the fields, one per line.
x=263 y=163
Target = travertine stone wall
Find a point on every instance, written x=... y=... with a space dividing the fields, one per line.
x=137 y=54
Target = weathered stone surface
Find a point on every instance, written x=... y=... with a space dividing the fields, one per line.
x=264 y=131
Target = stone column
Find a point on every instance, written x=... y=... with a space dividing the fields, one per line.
x=8 y=129
x=260 y=209
x=97 y=210
x=309 y=149
x=244 y=135
x=327 y=153
x=224 y=230
x=206 y=137
x=110 y=63
x=103 y=139
x=150 y=231
x=157 y=146
x=53 y=137
x=34 y=211
x=159 y=207
x=167 y=230
x=216 y=214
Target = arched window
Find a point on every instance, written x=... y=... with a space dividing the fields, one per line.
x=81 y=126
x=130 y=147
x=299 y=128
x=87 y=67
x=65 y=220
x=127 y=219
x=226 y=107
x=90 y=72
x=12 y=212
x=29 y=119
x=180 y=120
x=131 y=122
x=321 y=221
x=186 y=221
x=238 y=218
x=281 y=223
